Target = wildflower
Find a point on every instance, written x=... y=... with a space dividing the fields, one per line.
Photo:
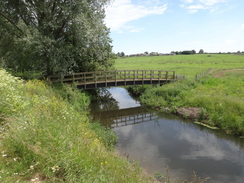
x=31 y=167
x=15 y=159
x=4 y=155
x=55 y=168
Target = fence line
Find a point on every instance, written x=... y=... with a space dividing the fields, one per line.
x=202 y=75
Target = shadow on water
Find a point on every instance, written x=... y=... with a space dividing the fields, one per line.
x=157 y=140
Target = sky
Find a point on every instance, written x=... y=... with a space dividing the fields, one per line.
x=163 y=26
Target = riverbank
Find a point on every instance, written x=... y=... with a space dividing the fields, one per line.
x=46 y=136
x=217 y=95
x=213 y=101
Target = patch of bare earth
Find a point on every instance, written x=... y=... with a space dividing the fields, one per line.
x=189 y=112
x=38 y=178
x=222 y=73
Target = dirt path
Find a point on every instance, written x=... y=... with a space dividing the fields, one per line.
x=222 y=73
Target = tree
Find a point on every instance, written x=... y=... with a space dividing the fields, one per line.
x=122 y=54
x=118 y=54
x=54 y=36
x=201 y=51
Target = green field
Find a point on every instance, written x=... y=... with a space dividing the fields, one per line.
x=219 y=93
x=188 y=65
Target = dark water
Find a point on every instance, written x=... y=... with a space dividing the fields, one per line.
x=158 y=141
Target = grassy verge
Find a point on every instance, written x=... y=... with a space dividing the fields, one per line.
x=45 y=136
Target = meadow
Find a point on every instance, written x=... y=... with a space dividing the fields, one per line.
x=188 y=65
x=218 y=93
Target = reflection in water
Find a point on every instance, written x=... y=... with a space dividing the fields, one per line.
x=124 y=117
x=104 y=101
x=157 y=140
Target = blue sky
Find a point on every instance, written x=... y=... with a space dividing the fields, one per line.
x=175 y=25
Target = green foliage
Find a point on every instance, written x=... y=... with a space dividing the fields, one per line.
x=168 y=95
x=201 y=51
x=54 y=37
x=137 y=90
x=73 y=96
x=46 y=138
x=105 y=135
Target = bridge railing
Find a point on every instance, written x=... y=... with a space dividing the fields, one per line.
x=118 y=75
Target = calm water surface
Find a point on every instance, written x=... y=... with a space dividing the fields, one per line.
x=158 y=141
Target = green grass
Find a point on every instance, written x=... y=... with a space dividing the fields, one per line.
x=220 y=98
x=188 y=65
x=45 y=135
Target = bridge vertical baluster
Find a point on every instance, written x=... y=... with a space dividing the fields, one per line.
x=159 y=76
x=125 y=77
x=85 y=80
x=115 y=78
x=134 y=72
x=166 y=75
x=95 y=78
x=143 y=75
x=174 y=75
x=151 y=73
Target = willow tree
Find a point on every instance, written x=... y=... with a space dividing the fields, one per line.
x=54 y=36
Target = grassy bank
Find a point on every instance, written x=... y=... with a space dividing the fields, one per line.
x=45 y=136
x=219 y=95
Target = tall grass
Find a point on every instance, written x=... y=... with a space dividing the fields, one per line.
x=46 y=136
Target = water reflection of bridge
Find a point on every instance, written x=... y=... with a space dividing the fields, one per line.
x=124 y=117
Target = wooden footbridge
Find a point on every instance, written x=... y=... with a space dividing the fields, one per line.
x=99 y=79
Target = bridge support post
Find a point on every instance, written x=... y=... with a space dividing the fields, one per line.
x=159 y=76
x=151 y=74
x=134 y=72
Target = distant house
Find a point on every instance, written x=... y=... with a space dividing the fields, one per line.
x=150 y=54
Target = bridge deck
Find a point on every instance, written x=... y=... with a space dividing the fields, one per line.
x=88 y=80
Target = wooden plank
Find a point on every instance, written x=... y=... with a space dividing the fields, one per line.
x=100 y=77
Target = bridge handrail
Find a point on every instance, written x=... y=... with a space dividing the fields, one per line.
x=115 y=75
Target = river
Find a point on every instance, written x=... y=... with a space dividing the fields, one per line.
x=159 y=141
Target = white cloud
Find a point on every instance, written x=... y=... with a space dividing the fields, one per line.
x=187 y=1
x=123 y=11
x=211 y=2
x=242 y=26
x=201 y=5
